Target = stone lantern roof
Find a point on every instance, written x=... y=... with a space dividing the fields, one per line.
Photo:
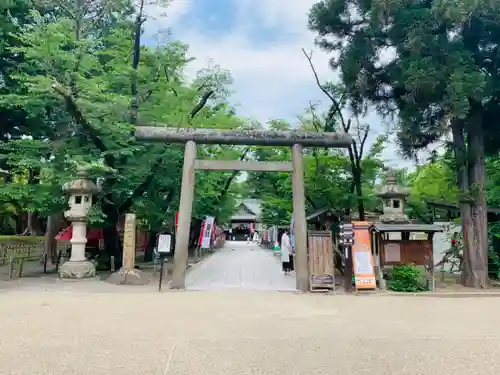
x=393 y=197
x=392 y=189
x=82 y=185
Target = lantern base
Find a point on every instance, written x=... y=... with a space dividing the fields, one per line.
x=77 y=270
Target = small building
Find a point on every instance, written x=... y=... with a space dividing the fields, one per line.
x=246 y=220
x=395 y=239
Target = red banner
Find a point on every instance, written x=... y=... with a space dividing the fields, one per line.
x=252 y=229
x=176 y=220
x=201 y=233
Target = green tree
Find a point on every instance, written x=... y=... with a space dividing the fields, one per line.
x=433 y=64
x=84 y=70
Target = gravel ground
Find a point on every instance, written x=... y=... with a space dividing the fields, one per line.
x=122 y=330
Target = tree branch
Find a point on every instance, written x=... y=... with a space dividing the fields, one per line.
x=311 y=202
x=335 y=102
x=148 y=94
x=141 y=189
x=201 y=104
x=227 y=185
x=363 y=142
x=80 y=119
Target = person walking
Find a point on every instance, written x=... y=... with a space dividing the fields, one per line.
x=286 y=254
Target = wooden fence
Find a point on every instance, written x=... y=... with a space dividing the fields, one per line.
x=321 y=268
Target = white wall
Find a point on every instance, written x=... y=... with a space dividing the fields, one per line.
x=442 y=240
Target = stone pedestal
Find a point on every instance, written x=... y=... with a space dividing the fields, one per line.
x=77 y=270
x=78 y=267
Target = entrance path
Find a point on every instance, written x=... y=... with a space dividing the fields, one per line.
x=240 y=266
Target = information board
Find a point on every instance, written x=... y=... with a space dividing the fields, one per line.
x=164 y=241
x=364 y=273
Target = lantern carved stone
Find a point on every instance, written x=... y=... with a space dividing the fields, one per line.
x=80 y=192
x=393 y=198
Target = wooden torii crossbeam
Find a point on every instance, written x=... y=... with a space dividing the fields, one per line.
x=190 y=137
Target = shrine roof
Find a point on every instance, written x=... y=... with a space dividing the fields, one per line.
x=406 y=227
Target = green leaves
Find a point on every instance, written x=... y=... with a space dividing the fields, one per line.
x=425 y=62
x=72 y=93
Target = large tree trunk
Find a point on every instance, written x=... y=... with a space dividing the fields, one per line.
x=476 y=172
x=359 y=191
x=468 y=276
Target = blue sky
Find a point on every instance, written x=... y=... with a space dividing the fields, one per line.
x=259 y=42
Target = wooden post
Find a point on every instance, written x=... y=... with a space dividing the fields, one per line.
x=128 y=275
x=184 y=221
x=300 y=224
x=129 y=238
x=348 y=269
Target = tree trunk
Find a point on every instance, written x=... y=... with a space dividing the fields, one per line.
x=112 y=243
x=136 y=55
x=50 y=247
x=468 y=274
x=476 y=172
x=359 y=191
x=33 y=225
x=148 y=252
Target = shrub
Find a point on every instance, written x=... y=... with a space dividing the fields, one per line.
x=406 y=278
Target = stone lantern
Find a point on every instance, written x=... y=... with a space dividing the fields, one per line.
x=80 y=191
x=394 y=198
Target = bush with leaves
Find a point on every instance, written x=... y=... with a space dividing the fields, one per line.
x=406 y=278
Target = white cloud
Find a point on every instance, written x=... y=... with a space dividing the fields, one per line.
x=165 y=13
x=271 y=80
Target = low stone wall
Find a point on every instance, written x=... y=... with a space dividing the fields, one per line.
x=20 y=247
x=23 y=247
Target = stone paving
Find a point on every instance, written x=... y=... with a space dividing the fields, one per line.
x=240 y=266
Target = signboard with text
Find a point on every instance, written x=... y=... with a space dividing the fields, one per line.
x=362 y=258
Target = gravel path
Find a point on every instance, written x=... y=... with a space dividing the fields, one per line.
x=212 y=333
x=52 y=327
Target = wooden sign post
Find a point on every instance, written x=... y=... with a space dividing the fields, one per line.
x=128 y=275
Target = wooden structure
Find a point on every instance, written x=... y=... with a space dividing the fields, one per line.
x=323 y=219
x=321 y=269
x=390 y=252
x=395 y=240
x=246 y=218
x=192 y=137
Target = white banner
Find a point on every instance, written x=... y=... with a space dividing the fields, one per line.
x=207 y=232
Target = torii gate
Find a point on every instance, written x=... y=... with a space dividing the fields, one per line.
x=190 y=137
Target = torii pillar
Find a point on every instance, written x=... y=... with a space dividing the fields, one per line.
x=294 y=139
